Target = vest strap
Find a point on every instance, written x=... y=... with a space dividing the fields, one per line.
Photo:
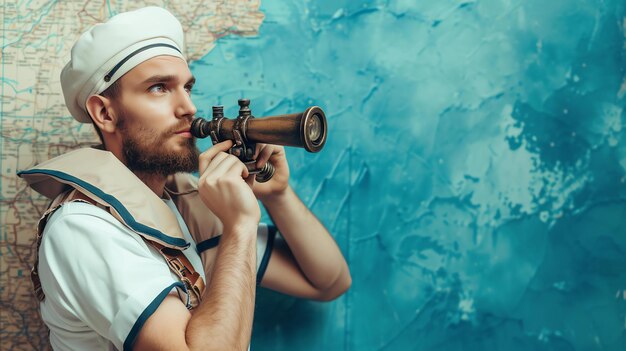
x=180 y=265
x=176 y=260
x=54 y=205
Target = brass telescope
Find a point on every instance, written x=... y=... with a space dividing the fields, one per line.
x=306 y=129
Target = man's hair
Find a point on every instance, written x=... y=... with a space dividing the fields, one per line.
x=112 y=92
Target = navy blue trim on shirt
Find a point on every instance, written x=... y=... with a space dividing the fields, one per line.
x=116 y=204
x=208 y=244
x=147 y=312
x=271 y=234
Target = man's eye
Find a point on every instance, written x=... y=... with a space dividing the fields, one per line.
x=157 y=88
x=188 y=88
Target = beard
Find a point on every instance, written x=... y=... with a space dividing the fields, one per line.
x=145 y=150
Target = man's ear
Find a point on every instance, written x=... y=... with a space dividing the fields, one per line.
x=102 y=113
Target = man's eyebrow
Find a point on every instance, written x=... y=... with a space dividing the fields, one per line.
x=166 y=79
x=159 y=79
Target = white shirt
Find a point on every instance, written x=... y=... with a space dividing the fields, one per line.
x=102 y=281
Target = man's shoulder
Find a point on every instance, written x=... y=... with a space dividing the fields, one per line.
x=79 y=210
x=73 y=218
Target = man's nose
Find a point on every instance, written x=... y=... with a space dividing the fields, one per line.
x=184 y=106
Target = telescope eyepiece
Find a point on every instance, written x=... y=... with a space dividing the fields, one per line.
x=200 y=128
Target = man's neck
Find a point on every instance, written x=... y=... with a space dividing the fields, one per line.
x=155 y=182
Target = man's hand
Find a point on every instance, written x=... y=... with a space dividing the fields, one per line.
x=280 y=181
x=225 y=187
x=297 y=268
x=223 y=320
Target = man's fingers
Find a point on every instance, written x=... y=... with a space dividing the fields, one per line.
x=259 y=147
x=220 y=165
x=264 y=155
x=207 y=156
x=250 y=180
x=238 y=169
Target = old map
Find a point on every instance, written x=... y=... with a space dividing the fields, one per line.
x=37 y=37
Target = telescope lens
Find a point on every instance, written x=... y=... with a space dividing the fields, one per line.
x=314 y=128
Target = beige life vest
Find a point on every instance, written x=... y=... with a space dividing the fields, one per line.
x=98 y=177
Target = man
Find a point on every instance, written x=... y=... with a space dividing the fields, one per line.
x=110 y=272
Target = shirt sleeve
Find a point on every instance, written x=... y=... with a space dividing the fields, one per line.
x=104 y=274
x=264 y=245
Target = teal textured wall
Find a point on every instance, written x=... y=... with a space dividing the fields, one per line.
x=474 y=176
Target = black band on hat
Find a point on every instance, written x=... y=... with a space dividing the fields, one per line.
x=108 y=77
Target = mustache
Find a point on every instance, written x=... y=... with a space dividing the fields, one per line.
x=180 y=126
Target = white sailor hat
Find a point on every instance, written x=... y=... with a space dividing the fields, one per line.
x=108 y=50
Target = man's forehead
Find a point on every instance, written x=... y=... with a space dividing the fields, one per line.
x=170 y=67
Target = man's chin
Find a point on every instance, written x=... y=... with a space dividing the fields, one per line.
x=164 y=162
x=180 y=143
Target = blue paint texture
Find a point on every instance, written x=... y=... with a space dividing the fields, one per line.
x=474 y=176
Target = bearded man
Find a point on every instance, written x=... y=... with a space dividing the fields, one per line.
x=136 y=253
